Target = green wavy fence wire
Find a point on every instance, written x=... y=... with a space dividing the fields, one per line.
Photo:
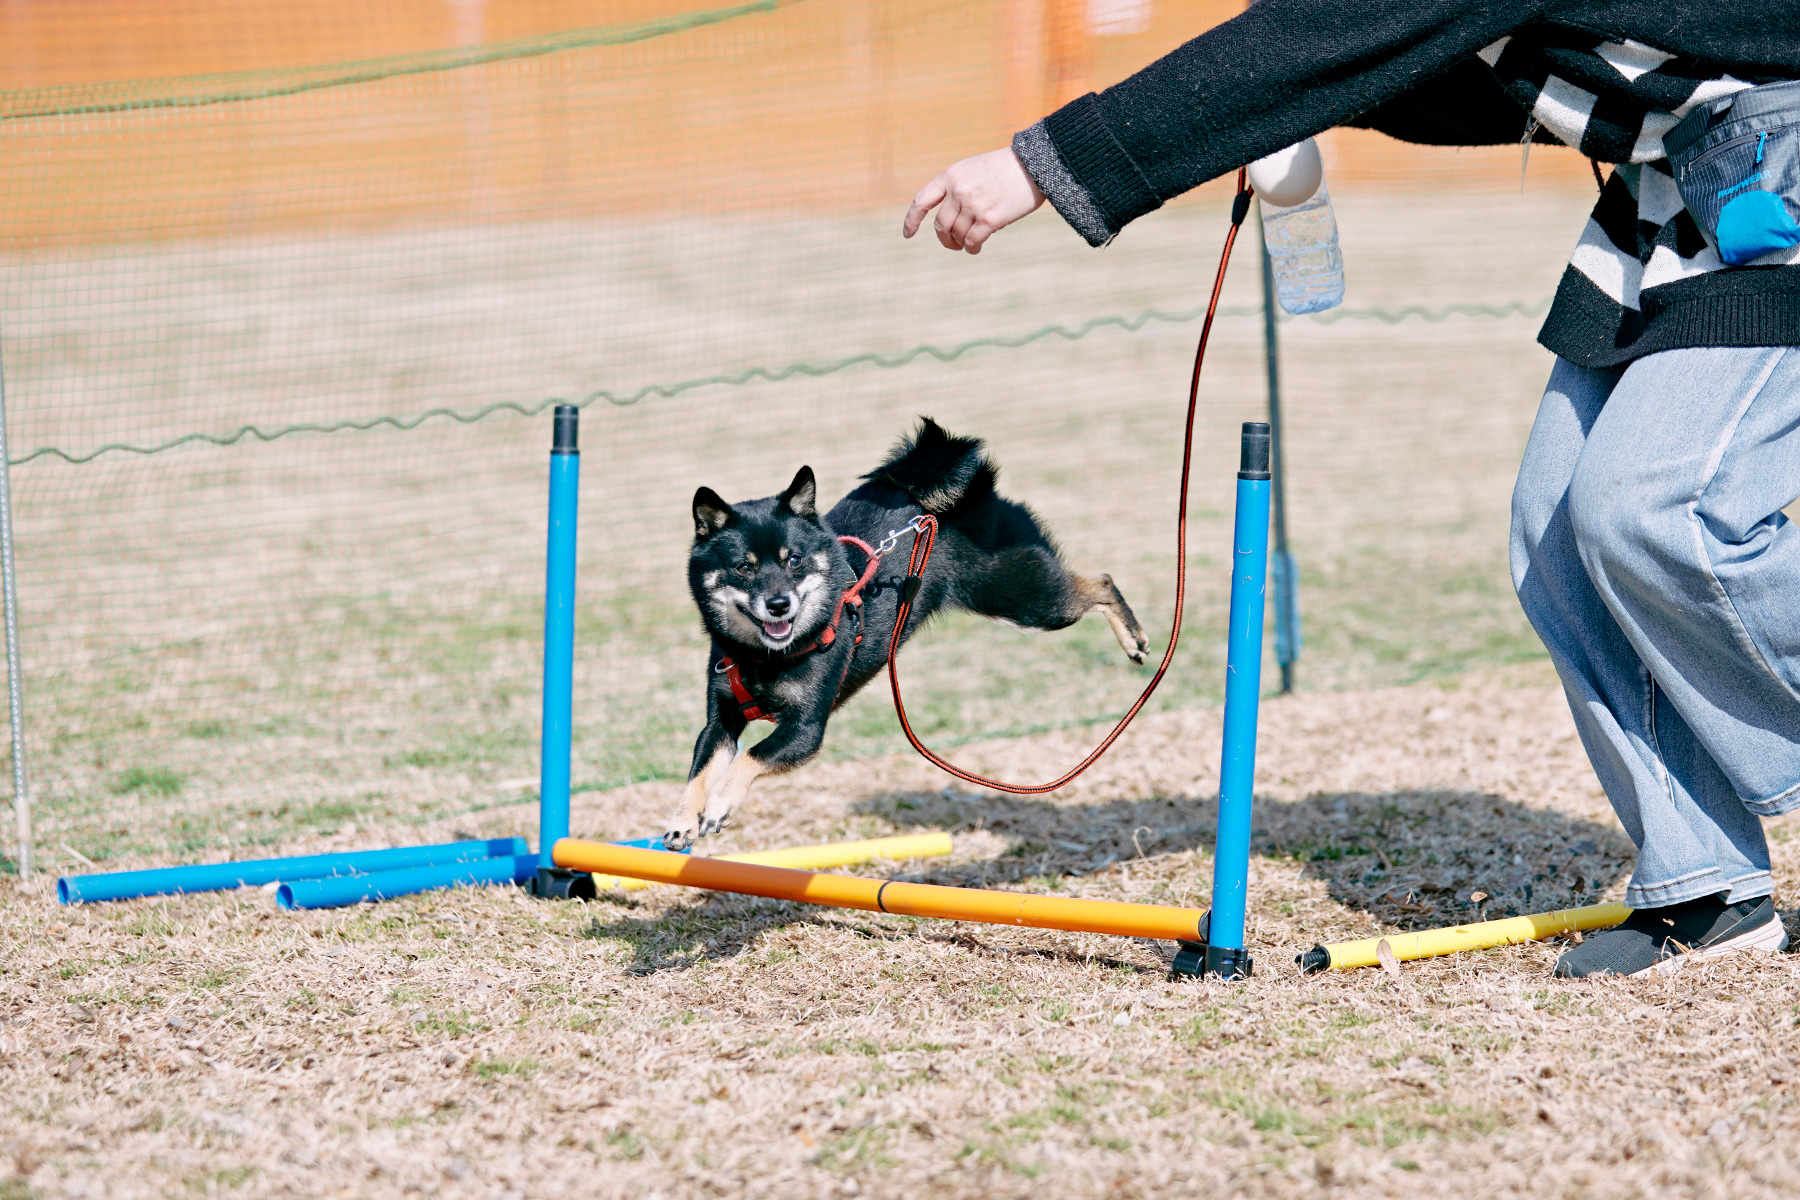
x=797 y=370
x=236 y=87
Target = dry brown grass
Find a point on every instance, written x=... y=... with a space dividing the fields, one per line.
x=482 y=1043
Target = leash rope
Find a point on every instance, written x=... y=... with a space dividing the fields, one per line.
x=925 y=536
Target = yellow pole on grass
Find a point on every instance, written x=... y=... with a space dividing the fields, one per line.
x=816 y=858
x=1509 y=931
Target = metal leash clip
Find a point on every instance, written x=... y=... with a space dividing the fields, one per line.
x=888 y=543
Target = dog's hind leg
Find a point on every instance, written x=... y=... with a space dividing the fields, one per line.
x=1099 y=592
x=1029 y=586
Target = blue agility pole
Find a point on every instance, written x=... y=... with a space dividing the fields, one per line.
x=559 y=654
x=213 y=877
x=344 y=890
x=1222 y=953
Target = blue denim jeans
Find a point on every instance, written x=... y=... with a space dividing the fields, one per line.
x=1652 y=557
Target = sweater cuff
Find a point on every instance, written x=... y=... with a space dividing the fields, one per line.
x=1095 y=160
x=1069 y=198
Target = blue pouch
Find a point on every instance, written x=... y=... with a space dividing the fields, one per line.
x=1737 y=165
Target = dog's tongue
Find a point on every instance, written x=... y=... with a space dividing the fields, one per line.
x=777 y=629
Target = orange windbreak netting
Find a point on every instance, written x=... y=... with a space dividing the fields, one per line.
x=837 y=105
x=286 y=292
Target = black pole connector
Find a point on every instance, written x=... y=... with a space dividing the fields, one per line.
x=1190 y=960
x=1314 y=961
x=561 y=883
x=1199 y=958
x=565 y=439
x=1253 y=454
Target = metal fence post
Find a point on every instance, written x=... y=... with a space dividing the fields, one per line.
x=14 y=684
x=1282 y=566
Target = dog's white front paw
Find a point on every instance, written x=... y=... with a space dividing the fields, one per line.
x=711 y=824
x=680 y=836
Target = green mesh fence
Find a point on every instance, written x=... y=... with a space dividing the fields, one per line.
x=279 y=349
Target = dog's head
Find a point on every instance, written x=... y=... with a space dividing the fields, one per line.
x=766 y=573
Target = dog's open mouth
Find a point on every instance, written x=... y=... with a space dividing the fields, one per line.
x=777 y=631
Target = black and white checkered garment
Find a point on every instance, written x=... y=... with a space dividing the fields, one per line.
x=1614 y=101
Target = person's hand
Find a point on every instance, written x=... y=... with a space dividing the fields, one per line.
x=978 y=196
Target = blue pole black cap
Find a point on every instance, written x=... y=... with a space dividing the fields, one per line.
x=1253 y=456
x=565 y=440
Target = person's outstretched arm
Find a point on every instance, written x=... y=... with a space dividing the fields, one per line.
x=1280 y=72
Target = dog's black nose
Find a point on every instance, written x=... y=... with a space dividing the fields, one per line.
x=779 y=605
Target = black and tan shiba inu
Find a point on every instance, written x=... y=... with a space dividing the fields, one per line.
x=793 y=635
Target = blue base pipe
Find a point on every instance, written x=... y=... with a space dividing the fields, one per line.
x=518 y=868
x=1222 y=953
x=340 y=891
x=213 y=877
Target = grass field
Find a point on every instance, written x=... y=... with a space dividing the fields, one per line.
x=331 y=641
x=674 y=1044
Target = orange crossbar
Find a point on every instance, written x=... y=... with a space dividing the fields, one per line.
x=890 y=896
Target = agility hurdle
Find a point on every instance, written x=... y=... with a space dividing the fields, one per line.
x=1211 y=942
x=334 y=880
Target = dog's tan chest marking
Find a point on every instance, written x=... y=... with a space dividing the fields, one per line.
x=789 y=691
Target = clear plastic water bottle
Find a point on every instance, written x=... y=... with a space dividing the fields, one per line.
x=1303 y=249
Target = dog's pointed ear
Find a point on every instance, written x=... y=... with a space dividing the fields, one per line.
x=711 y=514
x=802 y=495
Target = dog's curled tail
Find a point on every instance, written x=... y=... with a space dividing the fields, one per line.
x=937 y=469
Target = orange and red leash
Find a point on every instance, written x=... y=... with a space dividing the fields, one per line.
x=926 y=535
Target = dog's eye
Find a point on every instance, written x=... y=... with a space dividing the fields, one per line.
x=745 y=568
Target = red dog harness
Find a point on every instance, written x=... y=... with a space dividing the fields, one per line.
x=752 y=710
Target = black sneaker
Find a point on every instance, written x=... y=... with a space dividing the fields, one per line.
x=1665 y=939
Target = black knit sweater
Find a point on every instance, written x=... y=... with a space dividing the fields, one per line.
x=1608 y=77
